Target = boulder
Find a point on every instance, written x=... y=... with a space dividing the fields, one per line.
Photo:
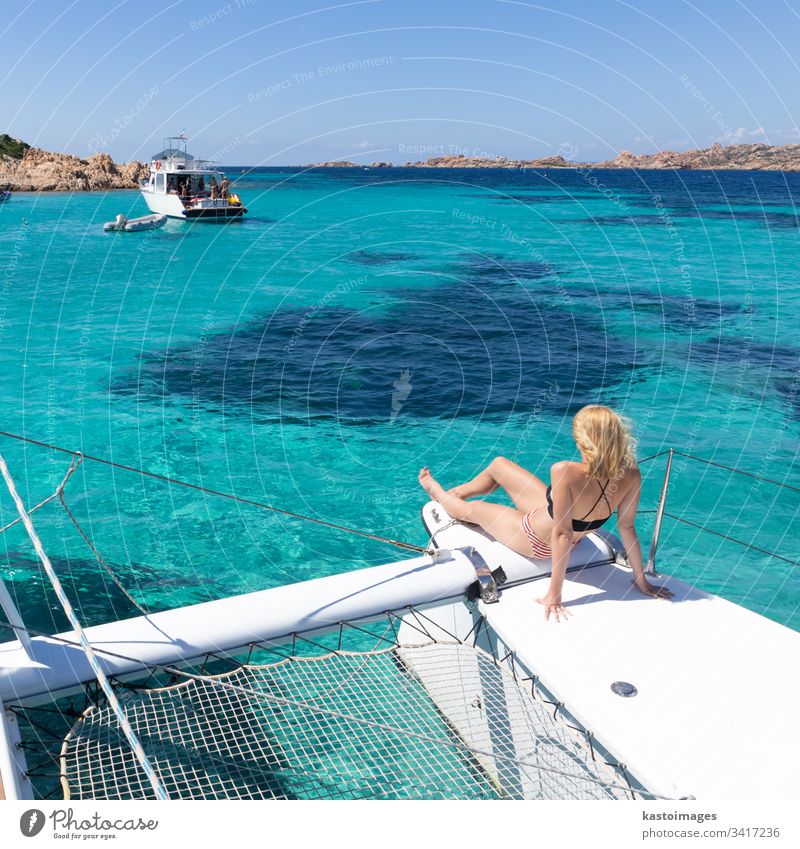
x=42 y=171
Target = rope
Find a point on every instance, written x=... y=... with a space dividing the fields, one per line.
x=653 y=456
x=397 y=543
x=100 y=559
x=122 y=718
x=269 y=697
x=30 y=512
x=57 y=494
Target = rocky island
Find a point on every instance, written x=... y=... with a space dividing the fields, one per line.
x=756 y=157
x=345 y=163
x=29 y=169
x=743 y=157
x=336 y=163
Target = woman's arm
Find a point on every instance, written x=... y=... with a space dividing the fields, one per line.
x=560 y=541
x=626 y=517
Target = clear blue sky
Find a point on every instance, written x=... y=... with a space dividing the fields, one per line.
x=259 y=82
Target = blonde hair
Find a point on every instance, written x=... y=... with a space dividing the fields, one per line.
x=606 y=441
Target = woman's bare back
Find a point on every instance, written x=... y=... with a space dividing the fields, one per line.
x=592 y=499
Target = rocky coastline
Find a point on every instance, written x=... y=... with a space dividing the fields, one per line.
x=345 y=163
x=37 y=170
x=41 y=171
x=738 y=157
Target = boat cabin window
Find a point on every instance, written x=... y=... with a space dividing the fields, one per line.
x=159 y=182
x=198 y=184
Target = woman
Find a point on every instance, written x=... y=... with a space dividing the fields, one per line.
x=545 y=526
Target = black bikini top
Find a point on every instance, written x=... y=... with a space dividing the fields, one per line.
x=578 y=524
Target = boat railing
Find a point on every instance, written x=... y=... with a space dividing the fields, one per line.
x=589 y=779
x=661 y=511
x=650 y=568
x=116 y=712
x=179 y=161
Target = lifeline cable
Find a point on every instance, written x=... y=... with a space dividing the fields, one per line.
x=404 y=545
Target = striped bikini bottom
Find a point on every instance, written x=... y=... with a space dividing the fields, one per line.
x=541 y=549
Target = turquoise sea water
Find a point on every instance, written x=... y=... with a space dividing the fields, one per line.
x=359 y=324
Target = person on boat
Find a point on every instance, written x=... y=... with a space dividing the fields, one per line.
x=549 y=521
x=225 y=188
x=214 y=188
x=201 y=186
x=185 y=193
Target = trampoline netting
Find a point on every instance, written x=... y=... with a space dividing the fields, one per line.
x=431 y=721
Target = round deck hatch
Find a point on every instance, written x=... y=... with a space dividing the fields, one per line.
x=623 y=688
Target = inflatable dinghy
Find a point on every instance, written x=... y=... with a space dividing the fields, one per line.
x=131 y=225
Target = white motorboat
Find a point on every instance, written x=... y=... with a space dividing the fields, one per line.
x=432 y=677
x=133 y=225
x=181 y=186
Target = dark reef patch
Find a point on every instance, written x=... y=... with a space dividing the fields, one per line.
x=778 y=220
x=672 y=311
x=654 y=220
x=681 y=311
x=461 y=349
x=485 y=269
x=757 y=369
x=789 y=391
x=531 y=200
x=93 y=594
x=727 y=350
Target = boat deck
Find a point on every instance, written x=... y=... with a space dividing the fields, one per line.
x=226 y=625
x=718 y=692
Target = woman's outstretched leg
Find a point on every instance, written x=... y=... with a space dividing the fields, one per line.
x=525 y=489
x=481 y=484
x=503 y=523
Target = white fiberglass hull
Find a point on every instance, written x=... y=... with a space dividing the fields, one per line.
x=169 y=205
x=206 y=208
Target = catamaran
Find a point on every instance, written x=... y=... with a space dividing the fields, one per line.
x=181 y=186
x=433 y=677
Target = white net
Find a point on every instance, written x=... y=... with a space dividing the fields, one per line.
x=435 y=721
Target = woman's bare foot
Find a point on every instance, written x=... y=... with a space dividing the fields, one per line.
x=430 y=484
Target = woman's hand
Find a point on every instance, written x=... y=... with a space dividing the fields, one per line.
x=553 y=604
x=644 y=586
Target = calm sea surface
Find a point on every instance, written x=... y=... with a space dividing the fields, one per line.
x=359 y=324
